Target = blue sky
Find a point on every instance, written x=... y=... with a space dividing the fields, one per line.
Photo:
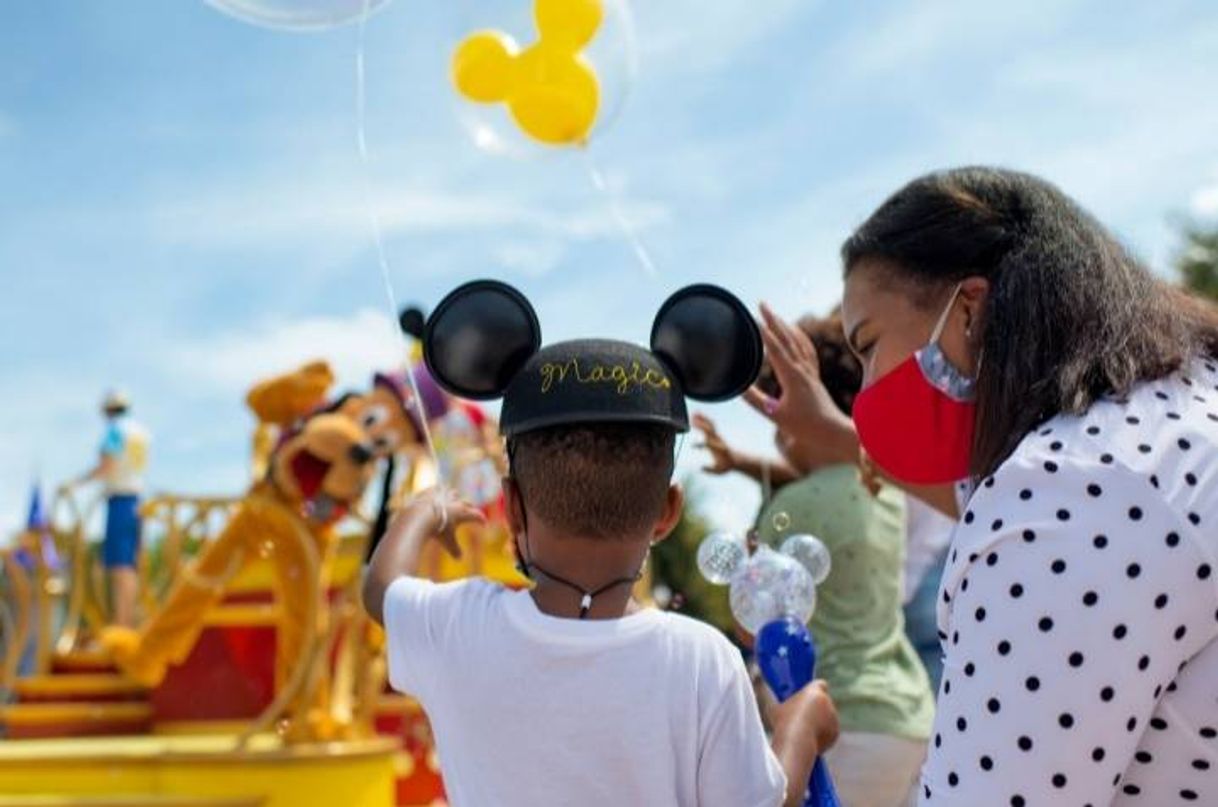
x=184 y=205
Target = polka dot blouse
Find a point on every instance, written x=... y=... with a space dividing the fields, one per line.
x=1079 y=613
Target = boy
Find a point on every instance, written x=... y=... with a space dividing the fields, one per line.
x=571 y=693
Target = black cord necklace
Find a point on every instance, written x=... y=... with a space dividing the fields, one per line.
x=586 y=596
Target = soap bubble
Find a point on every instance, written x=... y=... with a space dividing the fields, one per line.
x=770 y=586
x=720 y=555
x=781 y=521
x=297 y=15
x=811 y=553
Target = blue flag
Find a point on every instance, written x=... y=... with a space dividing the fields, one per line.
x=37 y=520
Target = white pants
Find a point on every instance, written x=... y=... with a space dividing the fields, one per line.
x=875 y=770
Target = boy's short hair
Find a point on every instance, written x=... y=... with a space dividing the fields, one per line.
x=601 y=480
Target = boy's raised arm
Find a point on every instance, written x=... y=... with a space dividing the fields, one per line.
x=429 y=515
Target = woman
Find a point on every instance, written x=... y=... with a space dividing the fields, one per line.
x=881 y=691
x=1007 y=337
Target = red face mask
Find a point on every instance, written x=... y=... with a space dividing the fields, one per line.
x=916 y=421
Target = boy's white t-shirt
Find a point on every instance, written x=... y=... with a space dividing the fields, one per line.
x=652 y=709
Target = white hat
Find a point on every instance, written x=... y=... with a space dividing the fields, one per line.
x=116 y=401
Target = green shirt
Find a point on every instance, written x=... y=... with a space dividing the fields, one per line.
x=874 y=675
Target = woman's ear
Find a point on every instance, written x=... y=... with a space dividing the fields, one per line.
x=974 y=293
x=710 y=341
x=479 y=337
x=965 y=351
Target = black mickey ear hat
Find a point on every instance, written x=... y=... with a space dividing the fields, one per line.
x=710 y=340
x=483 y=341
x=479 y=337
x=411 y=319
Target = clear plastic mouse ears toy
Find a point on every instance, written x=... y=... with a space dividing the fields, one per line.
x=773 y=595
x=770 y=584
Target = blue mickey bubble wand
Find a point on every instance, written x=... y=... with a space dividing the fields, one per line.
x=773 y=595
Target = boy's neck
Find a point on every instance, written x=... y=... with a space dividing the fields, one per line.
x=559 y=601
x=589 y=564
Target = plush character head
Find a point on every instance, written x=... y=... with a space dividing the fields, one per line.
x=283 y=399
x=390 y=422
x=385 y=414
x=326 y=461
x=324 y=466
x=483 y=341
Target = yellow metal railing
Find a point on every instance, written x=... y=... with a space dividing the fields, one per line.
x=175 y=529
x=177 y=526
x=14 y=620
x=69 y=526
x=307 y=667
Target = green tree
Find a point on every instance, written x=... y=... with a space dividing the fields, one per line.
x=674 y=566
x=1197 y=261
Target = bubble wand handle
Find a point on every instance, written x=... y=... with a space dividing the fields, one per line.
x=787 y=658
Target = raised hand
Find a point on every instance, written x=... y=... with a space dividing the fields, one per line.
x=804 y=411
x=437 y=513
x=723 y=458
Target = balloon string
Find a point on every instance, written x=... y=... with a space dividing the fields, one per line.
x=361 y=116
x=619 y=216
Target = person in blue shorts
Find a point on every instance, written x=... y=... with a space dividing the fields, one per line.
x=123 y=458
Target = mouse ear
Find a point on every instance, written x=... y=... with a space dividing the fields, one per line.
x=412 y=320
x=479 y=337
x=710 y=340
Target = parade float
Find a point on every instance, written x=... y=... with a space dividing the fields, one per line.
x=254 y=676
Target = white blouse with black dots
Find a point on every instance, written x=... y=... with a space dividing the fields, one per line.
x=1079 y=613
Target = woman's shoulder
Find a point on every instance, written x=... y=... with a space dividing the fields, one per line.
x=1163 y=435
x=1130 y=487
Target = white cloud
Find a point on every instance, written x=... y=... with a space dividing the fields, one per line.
x=1205 y=201
x=356 y=346
x=917 y=32
x=531 y=258
x=45 y=413
x=699 y=36
x=276 y=212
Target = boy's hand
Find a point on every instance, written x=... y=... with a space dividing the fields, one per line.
x=805 y=726
x=808 y=714
x=436 y=514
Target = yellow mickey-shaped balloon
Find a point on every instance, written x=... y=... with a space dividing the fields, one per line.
x=483 y=66
x=550 y=89
x=568 y=24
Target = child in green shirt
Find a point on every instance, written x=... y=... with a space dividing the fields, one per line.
x=882 y=692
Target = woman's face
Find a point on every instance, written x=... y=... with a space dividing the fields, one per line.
x=885 y=324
